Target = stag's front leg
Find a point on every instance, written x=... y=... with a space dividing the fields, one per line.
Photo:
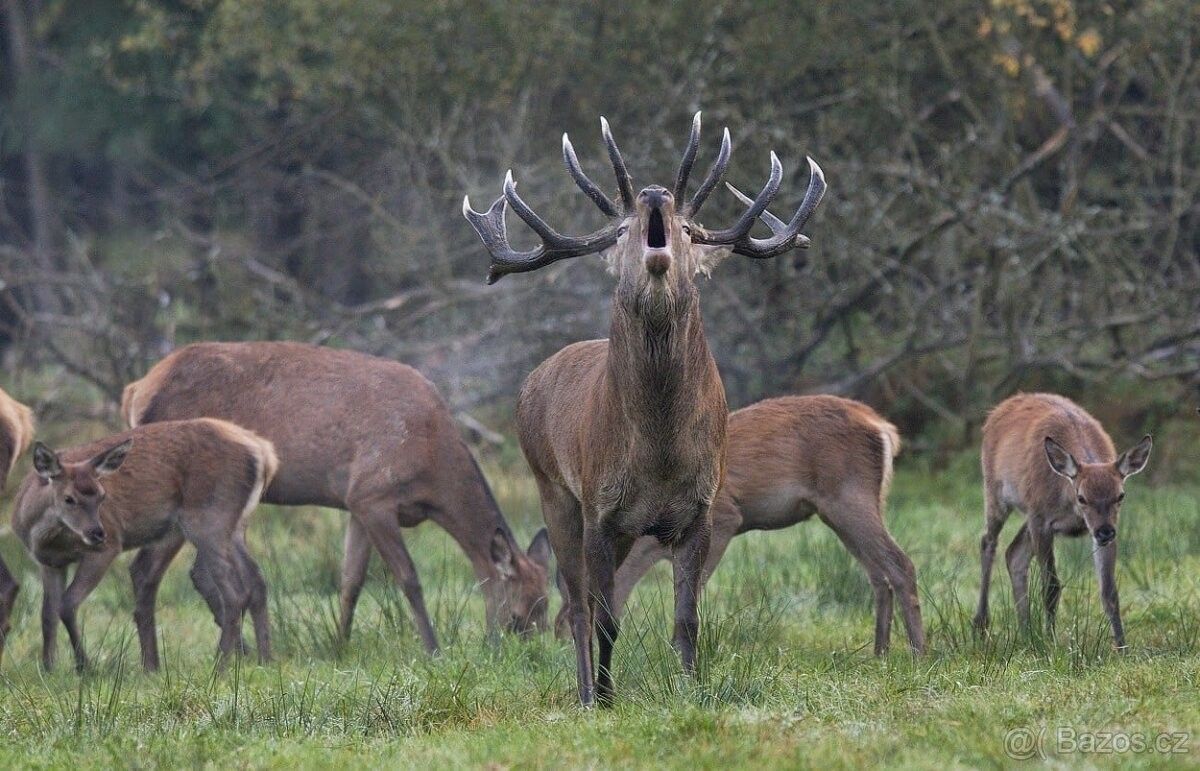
x=601 y=549
x=1105 y=558
x=91 y=569
x=689 y=555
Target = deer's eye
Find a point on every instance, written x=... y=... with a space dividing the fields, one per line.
x=1082 y=501
x=1120 y=497
x=687 y=229
x=70 y=500
x=622 y=230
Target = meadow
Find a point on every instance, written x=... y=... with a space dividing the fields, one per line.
x=786 y=677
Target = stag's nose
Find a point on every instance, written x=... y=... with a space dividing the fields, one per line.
x=94 y=536
x=655 y=197
x=1105 y=534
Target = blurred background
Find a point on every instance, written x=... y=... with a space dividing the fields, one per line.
x=1014 y=196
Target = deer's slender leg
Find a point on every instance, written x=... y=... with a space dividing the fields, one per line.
x=54 y=583
x=1043 y=548
x=256 y=593
x=383 y=528
x=1018 y=556
x=91 y=569
x=689 y=555
x=564 y=525
x=215 y=576
x=146 y=572
x=995 y=515
x=1105 y=558
x=8 y=595
x=356 y=557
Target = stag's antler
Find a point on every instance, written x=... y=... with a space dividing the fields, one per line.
x=784 y=235
x=555 y=246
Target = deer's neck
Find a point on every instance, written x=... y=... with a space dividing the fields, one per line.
x=658 y=362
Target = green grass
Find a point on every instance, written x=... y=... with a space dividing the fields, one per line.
x=786 y=674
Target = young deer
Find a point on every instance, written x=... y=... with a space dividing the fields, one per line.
x=363 y=434
x=16 y=432
x=626 y=436
x=149 y=489
x=1047 y=457
x=796 y=456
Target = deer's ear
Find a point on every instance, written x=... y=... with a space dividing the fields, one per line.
x=539 y=549
x=1061 y=461
x=111 y=459
x=503 y=558
x=46 y=462
x=710 y=256
x=1135 y=459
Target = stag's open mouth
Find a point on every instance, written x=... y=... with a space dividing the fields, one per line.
x=656 y=231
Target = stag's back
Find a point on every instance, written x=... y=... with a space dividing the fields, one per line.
x=1014 y=455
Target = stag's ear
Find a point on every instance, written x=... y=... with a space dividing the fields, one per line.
x=46 y=462
x=710 y=256
x=503 y=558
x=539 y=549
x=1134 y=460
x=1061 y=461
x=111 y=459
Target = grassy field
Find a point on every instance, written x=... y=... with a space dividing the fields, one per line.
x=787 y=677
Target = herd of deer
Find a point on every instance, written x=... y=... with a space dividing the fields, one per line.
x=629 y=439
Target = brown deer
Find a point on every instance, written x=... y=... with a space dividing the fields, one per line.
x=626 y=436
x=16 y=432
x=363 y=434
x=151 y=489
x=796 y=456
x=1047 y=457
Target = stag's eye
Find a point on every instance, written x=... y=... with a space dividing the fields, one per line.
x=70 y=500
x=622 y=230
x=687 y=229
x=1082 y=501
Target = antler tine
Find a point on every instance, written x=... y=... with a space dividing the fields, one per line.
x=590 y=188
x=554 y=247
x=689 y=158
x=716 y=173
x=784 y=236
x=624 y=181
x=740 y=230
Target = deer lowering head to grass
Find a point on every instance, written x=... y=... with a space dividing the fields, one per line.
x=150 y=489
x=626 y=436
x=363 y=434
x=1047 y=457
x=796 y=456
x=16 y=432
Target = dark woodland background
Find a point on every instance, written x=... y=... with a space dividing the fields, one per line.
x=1014 y=192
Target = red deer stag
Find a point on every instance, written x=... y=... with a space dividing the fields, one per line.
x=363 y=434
x=1047 y=457
x=626 y=436
x=149 y=489
x=796 y=456
x=16 y=432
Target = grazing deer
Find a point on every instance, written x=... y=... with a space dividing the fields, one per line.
x=626 y=436
x=364 y=434
x=1047 y=457
x=16 y=432
x=796 y=456
x=151 y=489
